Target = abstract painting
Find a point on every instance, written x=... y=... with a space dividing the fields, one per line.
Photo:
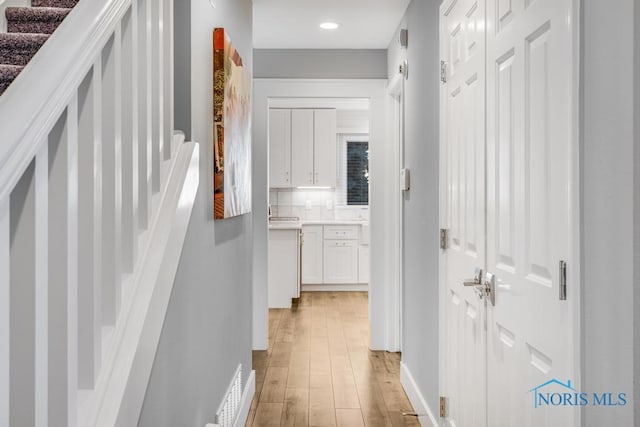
x=232 y=129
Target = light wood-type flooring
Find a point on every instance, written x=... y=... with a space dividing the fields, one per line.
x=319 y=370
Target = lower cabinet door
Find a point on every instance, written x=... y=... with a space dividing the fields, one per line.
x=340 y=261
x=312 y=254
x=283 y=268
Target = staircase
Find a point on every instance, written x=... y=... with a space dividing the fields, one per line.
x=96 y=193
x=28 y=29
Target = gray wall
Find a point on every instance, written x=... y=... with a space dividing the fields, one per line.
x=207 y=331
x=182 y=66
x=320 y=63
x=421 y=240
x=636 y=221
x=607 y=205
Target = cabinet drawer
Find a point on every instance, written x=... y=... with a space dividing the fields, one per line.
x=342 y=232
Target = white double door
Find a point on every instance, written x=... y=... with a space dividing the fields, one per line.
x=506 y=139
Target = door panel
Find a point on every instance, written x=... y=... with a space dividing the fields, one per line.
x=312 y=257
x=325 y=150
x=340 y=261
x=302 y=147
x=529 y=104
x=463 y=145
x=279 y=148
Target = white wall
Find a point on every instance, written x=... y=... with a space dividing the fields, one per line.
x=320 y=63
x=382 y=185
x=207 y=330
x=421 y=210
x=607 y=205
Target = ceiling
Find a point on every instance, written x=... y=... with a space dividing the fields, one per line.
x=294 y=24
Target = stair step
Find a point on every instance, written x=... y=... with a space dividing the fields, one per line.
x=43 y=20
x=8 y=73
x=19 y=48
x=69 y=4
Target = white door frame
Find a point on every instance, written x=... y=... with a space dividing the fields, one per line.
x=573 y=277
x=383 y=288
x=395 y=92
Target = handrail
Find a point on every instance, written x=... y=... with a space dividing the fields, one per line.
x=31 y=105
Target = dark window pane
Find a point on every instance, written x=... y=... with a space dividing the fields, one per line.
x=357 y=173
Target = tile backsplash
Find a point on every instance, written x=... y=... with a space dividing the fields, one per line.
x=311 y=205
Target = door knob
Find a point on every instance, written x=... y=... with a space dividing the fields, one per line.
x=477 y=279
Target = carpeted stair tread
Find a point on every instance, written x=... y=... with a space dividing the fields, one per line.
x=8 y=73
x=54 y=3
x=19 y=48
x=42 y=20
x=28 y=29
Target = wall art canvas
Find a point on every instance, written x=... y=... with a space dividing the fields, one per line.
x=232 y=129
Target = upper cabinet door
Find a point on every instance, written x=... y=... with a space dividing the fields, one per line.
x=325 y=148
x=279 y=148
x=302 y=148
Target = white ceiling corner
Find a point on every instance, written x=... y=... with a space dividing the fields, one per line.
x=294 y=24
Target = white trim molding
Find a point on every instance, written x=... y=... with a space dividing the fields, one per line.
x=420 y=406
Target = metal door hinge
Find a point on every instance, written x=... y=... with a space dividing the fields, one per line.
x=563 y=280
x=443 y=71
x=444 y=238
x=443 y=407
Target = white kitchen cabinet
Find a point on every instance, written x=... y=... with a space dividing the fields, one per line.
x=302 y=134
x=341 y=232
x=279 y=148
x=324 y=147
x=312 y=255
x=340 y=261
x=283 y=283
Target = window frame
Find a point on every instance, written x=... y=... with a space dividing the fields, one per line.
x=341 y=162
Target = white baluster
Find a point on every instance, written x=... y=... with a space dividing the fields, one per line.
x=22 y=300
x=72 y=264
x=5 y=314
x=90 y=229
x=42 y=286
x=129 y=147
x=156 y=100
x=144 y=114
x=63 y=267
x=111 y=180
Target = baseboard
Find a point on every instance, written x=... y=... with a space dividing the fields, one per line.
x=426 y=416
x=245 y=401
x=336 y=288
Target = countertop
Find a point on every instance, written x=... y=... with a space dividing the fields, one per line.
x=297 y=225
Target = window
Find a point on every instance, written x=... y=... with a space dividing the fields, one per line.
x=357 y=173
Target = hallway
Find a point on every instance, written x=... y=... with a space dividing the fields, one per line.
x=318 y=370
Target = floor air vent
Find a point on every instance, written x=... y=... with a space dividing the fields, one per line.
x=228 y=410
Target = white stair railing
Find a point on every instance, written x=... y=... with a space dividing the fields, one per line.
x=96 y=191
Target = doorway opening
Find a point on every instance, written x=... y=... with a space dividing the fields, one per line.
x=327 y=179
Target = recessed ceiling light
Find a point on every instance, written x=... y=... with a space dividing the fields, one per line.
x=329 y=25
